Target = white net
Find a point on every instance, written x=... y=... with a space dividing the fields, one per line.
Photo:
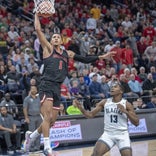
x=44 y=6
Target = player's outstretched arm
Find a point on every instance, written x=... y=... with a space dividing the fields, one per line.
x=91 y=114
x=89 y=59
x=129 y=111
x=44 y=42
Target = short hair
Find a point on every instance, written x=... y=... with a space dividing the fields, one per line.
x=122 y=87
x=119 y=84
x=57 y=34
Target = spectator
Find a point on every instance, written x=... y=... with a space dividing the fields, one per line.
x=10 y=105
x=13 y=77
x=153 y=72
x=143 y=62
x=142 y=75
x=95 y=11
x=149 y=31
x=127 y=73
x=111 y=29
x=109 y=46
x=105 y=87
x=74 y=77
x=141 y=45
x=31 y=64
x=25 y=83
x=149 y=85
x=151 y=51
x=86 y=77
x=152 y=103
x=21 y=66
x=13 y=33
x=74 y=90
x=65 y=96
x=127 y=56
x=66 y=40
x=31 y=110
x=3 y=80
x=132 y=42
x=134 y=71
x=36 y=75
x=128 y=94
x=71 y=65
x=84 y=92
x=95 y=89
x=135 y=85
x=95 y=72
x=139 y=104
x=73 y=109
x=91 y=23
x=127 y=23
x=114 y=12
x=37 y=49
x=117 y=59
x=8 y=130
x=62 y=110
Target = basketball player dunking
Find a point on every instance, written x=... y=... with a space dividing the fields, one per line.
x=55 y=62
x=117 y=111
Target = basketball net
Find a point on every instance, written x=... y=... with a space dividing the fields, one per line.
x=39 y=8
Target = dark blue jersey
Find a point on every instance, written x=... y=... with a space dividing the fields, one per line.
x=55 y=67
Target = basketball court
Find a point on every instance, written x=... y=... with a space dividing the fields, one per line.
x=145 y=147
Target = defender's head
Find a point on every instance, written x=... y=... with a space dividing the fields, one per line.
x=116 y=89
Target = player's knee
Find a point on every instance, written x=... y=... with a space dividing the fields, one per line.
x=48 y=118
x=96 y=153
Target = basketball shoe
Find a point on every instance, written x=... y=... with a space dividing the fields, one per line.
x=27 y=142
x=48 y=152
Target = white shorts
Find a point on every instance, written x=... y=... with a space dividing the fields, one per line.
x=120 y=139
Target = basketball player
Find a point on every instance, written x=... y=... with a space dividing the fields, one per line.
x=55 y=62
x=117 y=111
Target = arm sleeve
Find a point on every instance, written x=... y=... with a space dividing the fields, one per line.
x=88 y=59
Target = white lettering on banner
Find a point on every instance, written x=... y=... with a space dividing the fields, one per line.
x=61 y=124
x=141 y=128
x=66 y=133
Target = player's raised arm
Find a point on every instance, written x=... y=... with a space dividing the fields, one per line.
x=44 y=42
x=91 y=114
x=89 y=59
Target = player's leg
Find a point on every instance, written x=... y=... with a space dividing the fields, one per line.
x=48 y=119
x=103 y=145
x=100 y=149
x=126 y=152
x=124 y=144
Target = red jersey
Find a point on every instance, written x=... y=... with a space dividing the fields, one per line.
x=127 y=56
x=71 y=66
x=149 y=31
x=118 y=55
x=100 y=64
x=64 y=90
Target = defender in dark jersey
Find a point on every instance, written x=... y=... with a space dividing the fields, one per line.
x=55 y=71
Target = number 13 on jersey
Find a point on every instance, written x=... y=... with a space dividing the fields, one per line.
x=113 y=118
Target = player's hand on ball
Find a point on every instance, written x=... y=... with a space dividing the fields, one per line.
x=121 y=108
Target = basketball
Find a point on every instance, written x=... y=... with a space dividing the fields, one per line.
x=45 y=9
x=45 y=15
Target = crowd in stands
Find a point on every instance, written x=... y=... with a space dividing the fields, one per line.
x=87 y=28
